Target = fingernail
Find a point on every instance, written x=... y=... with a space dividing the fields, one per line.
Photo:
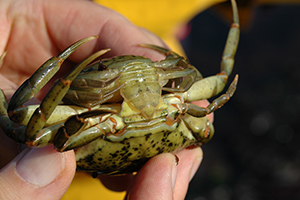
x=41 y=166
x=174 y=171
x=195 y=167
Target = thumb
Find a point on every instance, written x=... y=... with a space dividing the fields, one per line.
x=40 y=173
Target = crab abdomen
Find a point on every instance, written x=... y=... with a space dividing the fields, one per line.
x=110 y=157
x=142 y=89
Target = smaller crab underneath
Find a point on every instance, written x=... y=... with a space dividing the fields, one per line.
x=119 y=112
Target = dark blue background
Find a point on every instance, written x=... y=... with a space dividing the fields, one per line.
x=255 y=153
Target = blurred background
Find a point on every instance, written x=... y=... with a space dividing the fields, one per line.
x=255 y=153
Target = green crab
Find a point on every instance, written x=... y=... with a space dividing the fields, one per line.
x=117 y=113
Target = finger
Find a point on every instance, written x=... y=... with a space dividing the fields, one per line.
x=156 y=179
x=189 y=161
x=57 y=24
x=9 y=149
x=40 y=173
x=114 y=30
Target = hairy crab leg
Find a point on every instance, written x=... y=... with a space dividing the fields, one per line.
x=41 y=76
x=53 y=98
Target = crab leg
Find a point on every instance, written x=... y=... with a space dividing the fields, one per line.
x=41 y=76
x=2 y=57
x=201 y=128
x=6 y=123
x=231 y=43
x=46 y=135
x=210 y=86
x=92 y=95
x=82 y=129
x=183 y=85
x=53 y=98
x=197 y=111
x=176 y=67
x=23 y=114
x=215 y=84
x=168 y=53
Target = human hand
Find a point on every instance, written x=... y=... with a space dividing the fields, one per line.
x=32 y=32
x=160 y=177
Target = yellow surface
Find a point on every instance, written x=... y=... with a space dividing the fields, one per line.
x=163 y=17
x=86 y=187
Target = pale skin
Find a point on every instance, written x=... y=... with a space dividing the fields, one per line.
x=33 y=31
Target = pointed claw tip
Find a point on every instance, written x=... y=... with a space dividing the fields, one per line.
x=92 y=37
x=2 y=57
x=232 y=86
x=106 y=50
x=236 y=78
x=145 y=45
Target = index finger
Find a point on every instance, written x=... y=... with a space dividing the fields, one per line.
x=84 y=18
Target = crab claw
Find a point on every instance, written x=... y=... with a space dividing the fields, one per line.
x=41 y=76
